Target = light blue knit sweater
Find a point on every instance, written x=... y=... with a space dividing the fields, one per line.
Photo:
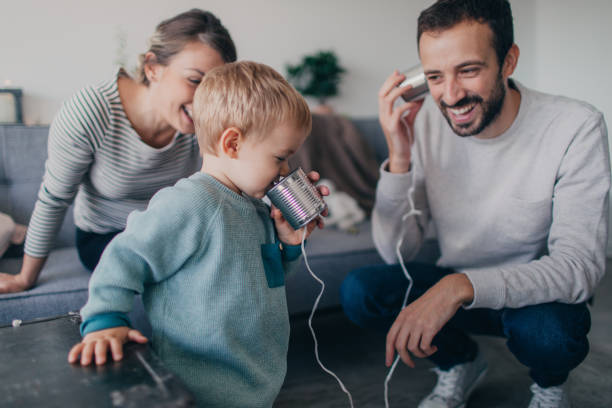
x=211 y=275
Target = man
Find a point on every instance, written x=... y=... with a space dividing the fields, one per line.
x=516 y=185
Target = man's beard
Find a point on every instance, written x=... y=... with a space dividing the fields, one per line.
x=490 y=109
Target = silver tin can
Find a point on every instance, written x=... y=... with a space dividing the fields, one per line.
x=415 y=77
x=297 y=198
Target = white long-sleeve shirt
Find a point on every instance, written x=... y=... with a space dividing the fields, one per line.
x=523 y=215
x=96 y=155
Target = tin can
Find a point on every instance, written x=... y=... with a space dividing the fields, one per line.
x=297 y=198
x=415 y=77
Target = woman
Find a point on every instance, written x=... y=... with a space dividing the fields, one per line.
x=112 y=146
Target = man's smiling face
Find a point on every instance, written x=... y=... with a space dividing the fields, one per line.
x=464 y=76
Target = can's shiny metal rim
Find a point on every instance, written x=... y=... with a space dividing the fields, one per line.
x=297 y=198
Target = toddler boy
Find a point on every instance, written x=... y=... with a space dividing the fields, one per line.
x=205 y=255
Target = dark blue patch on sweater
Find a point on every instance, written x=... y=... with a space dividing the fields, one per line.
x=273 y=265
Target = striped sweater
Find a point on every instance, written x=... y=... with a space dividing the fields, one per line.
x=96 y=159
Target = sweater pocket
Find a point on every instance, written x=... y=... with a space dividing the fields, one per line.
x=527 y=222
x=273 y=265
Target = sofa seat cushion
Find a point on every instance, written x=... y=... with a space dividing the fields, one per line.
x=61 y=288
x=334 y=241
x=332 y=254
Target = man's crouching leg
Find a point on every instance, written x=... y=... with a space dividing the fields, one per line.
x=550 y=339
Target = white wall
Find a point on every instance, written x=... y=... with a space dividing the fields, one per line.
x=52 y=48
x=572 y=50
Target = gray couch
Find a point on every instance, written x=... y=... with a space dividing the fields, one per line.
x=62 y=285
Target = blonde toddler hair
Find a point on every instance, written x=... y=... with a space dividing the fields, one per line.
x=246 y=95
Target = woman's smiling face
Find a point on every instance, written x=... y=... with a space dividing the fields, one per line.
x=174 y=85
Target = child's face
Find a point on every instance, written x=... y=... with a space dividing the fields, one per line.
x=263 y=158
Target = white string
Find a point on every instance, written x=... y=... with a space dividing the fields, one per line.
x=415 y=212
x=314 y=337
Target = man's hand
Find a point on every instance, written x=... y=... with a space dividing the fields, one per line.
x=419 y=322
x=13 y=283
x=96 y=345
x=397 y=123
x=286 y=234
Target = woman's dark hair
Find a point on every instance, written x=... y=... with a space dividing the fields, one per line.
x=497 y=14
x=173 y=34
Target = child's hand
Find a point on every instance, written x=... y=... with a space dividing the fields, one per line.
x=96 y=344
x=286 y=233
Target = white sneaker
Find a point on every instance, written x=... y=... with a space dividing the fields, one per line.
x=455 y=385
x=550 y=397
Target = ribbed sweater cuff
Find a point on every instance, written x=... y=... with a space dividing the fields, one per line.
x=291 y=252
x=104 y=321
x=489 y=289
x=393 y=185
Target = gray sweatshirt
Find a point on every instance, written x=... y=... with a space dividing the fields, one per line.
x=523 y=215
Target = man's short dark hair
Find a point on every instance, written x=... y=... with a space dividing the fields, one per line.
x=497 y=14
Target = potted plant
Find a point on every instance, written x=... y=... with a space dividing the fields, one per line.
x=317 y=76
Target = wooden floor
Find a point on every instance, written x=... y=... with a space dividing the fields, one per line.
x=357 y=357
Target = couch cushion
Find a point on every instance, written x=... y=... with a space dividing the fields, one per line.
x=302 y=289
x=61 y=288
x=371 y=131
x=334 y=241
x=23 y=152
x=332 y=254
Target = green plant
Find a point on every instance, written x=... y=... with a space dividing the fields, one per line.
x=317 y=75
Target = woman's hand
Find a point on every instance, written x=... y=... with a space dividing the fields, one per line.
x=397 y=122
x=95 y=345
x=24 y=280
x=12 y=283
x=286 y=234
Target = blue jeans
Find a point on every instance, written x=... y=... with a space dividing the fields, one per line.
x=550 y=338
